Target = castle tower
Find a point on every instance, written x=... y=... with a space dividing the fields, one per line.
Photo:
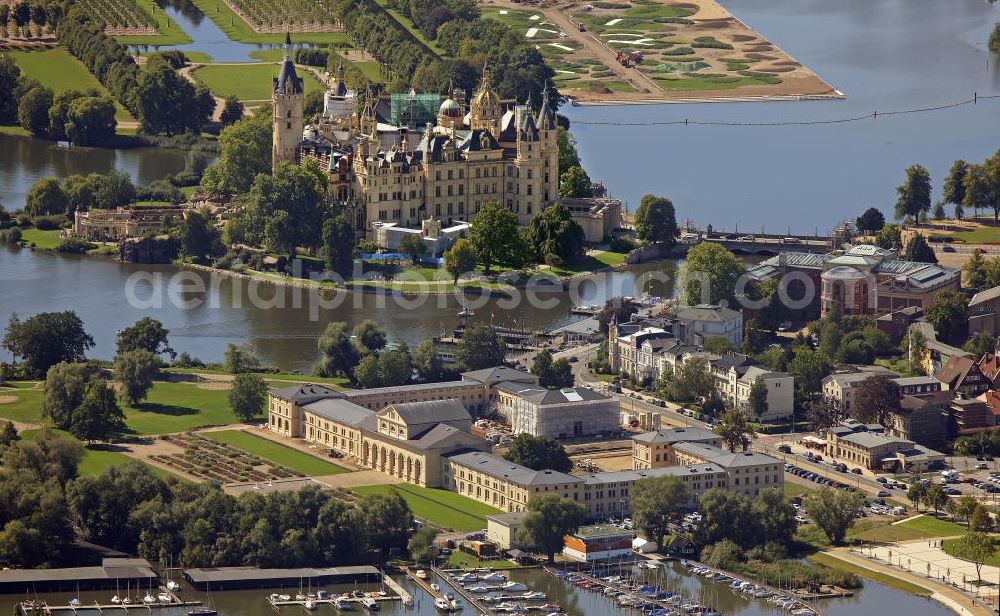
x=485 y=108
x=287 y=98
x=549 y=142
x=613 y=357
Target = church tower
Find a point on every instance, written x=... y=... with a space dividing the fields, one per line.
x=287 y=96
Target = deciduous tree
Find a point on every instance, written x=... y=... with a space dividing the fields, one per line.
x=495 y=237
x=834 y=511
x=871 y=221
x=735 y=430
x=135 y=370
x=248 y=396
x=46 y=198
x=460 y=258
x=338 y=245
x=654 y=501
x=949 y=313
x=65 y=385
x=549 y=519
x=655 y=221
x=913 y=196
x=98 y=418
x=574 y=183
x=337 y=354
x=539 y=453
x=711 y=275
x=146 y=334
x=46 y=339
x=481 y=347
x=917 y=249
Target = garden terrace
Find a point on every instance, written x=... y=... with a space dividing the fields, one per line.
x=207 y=458
x=120 y=17
x=279 y=16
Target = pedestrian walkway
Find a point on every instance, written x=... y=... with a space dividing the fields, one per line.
x=951 y=581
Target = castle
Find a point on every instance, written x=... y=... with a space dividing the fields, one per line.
x=401 y=174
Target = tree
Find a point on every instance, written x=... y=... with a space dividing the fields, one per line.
x=414 y=246
x=245 y=152
x=481 y=347
x=548 y=520
x=976 y=191
x=724 y=515
x=875 y=399
x=495 y=238
x=338 y=245
x=337 y=354
x=913 y=196
x=939 y=213
x=552 y=374
x=197 y=237
x=980 y=520
x=98 y=418
x=232 y=111
x=889 y=237
x=757 y=398
x=735 y=430
x=990 y=180
x=248 y=396
x=33 y=111
x=135 y=371
x=146 y=334
x=46 y=198
x=834 y=511
x=368 y=337
x=552 y=231
x=976 y=548
x=115 y=190
x=935 y=497
x=917 y=249
x=825 y=413
x=387 y=518
x=980 y=344
x=568 y=156
x=574 y=183
x=690 y=381
x=916 y=493
x=297 y=190
x=46 y=339
x=421 y=545
x=965 y=506
x=65 y=386
x=719 y=345
x=240 y=359
x=168 y=103
x=655 y=221
x=427 y=362
x=539 y=453
x=8 y=434
x=394 y=367
x=773 y=516
x=366 y=373
x=654 y=500
x=10 y=76
x=460 y=258
x=809 y=369
x=871 y=221
x=949 y=313
x=90 y=121
x=711 y=275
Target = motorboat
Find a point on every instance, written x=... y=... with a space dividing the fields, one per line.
x=164 y=598
x=74 y=602
x=514 y=587
x=466 y=313
x=309 y=605
x=300 y=597
x=369 y=604
x=442 y=604
x=322 y=594
x=343 y=604
x=535 y=596
x=494 y=578
x=479 y=590
x=116 y=600
x=149 y=599
x=457 y=604
x=465 y=578
x=284 y=597
x=420 y=573
x=436 y=587
x=173 y=586
x=202 y=611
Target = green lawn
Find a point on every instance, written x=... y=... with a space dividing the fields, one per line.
x=461 y=560
x=276 y=452
x=794 y=489
x=888 y=580
x=439 y=507
x=979 y=235
x=27 y=407
x=929 y=526
x=41 y=239
x=949 y=546
x=248 y=82
x=57 y=69
x=168 y=32
x=241 y=32
x=193 y=56
x=176 y=407
x=614 y=86
x=280 y=379
x=711 y=83
x=406 y=23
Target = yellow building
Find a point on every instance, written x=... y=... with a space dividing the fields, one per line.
x=747 y=472
x=656 y=449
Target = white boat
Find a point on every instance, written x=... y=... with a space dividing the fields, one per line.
x=494 y=578
x=465 y=313
x=149 y=599
x=514 y=587
x=116 y=600
x=164 y=598
x=535 y=596
x=284 y=597
x=368 y=603
x=436 y=587
x=420 y=573
x=442 y=604
x=309 y=605
x=300 y=597
x=343 y=604
x=465 y=578
x=457 y=604
x=479 y=590
x=74 y=602
x=173 y=586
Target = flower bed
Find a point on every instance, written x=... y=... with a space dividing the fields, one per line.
x=208 y=459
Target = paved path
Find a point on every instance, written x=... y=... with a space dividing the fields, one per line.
x=943 y=592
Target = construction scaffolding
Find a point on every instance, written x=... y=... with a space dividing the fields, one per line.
x=414 y=110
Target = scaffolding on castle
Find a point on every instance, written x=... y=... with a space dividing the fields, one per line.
x=413 y=110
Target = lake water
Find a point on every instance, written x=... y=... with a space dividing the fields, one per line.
x=885 y=55
x=575 y=601
x=281 y=323
x=205 y=35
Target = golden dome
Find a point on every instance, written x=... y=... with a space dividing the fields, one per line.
x=486 y=101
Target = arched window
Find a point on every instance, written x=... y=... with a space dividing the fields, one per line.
x=288 y=114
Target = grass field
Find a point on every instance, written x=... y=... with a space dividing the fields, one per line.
x=711 y=83
x=276 y=452
x=614 y=86
x=794 y=489
x=979 y=235
x=881 y=578
x=406 y=23
x=928 y=526
x=248 y=82
x=96 y=460
x=277 y=378
x=41 y=239
x=176 y=407
x=949 y=546
x=27 y=407
x=168 y=32
x=241 y=32
x=58 y=70
x=439 y=507
x=461 y=560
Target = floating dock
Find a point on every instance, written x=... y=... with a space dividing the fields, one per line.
x=32 y=607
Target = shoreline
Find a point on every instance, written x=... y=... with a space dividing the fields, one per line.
x=760 y=98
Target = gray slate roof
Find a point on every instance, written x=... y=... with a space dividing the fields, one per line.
x=676 y=435
x=724 y=457
x=432 y=411
x=340 y=411
x=542 y=396
x=502 y=469
x=305 y=393
x=498 y=374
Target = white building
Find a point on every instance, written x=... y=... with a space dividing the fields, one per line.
x=557 y=413
x=339 y=103
x=735 y=374
x=389 y=235
x=696 y=324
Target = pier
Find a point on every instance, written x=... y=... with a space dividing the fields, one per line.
x=467 y=596
x=30 y=607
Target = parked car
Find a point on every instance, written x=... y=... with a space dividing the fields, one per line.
x=784 y=449
x=857 y=471
x=883 y=494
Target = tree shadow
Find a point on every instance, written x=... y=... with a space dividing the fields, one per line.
x=165 y=409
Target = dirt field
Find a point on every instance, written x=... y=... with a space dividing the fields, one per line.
x=691 y=50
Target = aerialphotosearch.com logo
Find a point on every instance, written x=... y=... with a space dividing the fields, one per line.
x=197 y=287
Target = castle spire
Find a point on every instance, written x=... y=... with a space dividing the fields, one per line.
x=288 y=47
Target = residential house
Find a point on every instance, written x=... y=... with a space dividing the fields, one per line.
x=921 y=418
x=866 y=446
x=696 y=324
x=736 y=373
x=963 y=374
x=984 y=312
x=656 y=449
x=841 y=385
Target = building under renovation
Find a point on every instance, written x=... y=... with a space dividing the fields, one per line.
x=557 y=413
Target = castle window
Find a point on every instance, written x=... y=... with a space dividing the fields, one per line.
x=437 y=191
x=529 y=189
x=461 y=189
x=437 y=209
x=288 y=125
x=449 y=174
x=461 y=174
x=529 y=174
x=289 y=114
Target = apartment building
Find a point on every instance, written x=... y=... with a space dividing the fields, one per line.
x=656 y=449
x=747 y=472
